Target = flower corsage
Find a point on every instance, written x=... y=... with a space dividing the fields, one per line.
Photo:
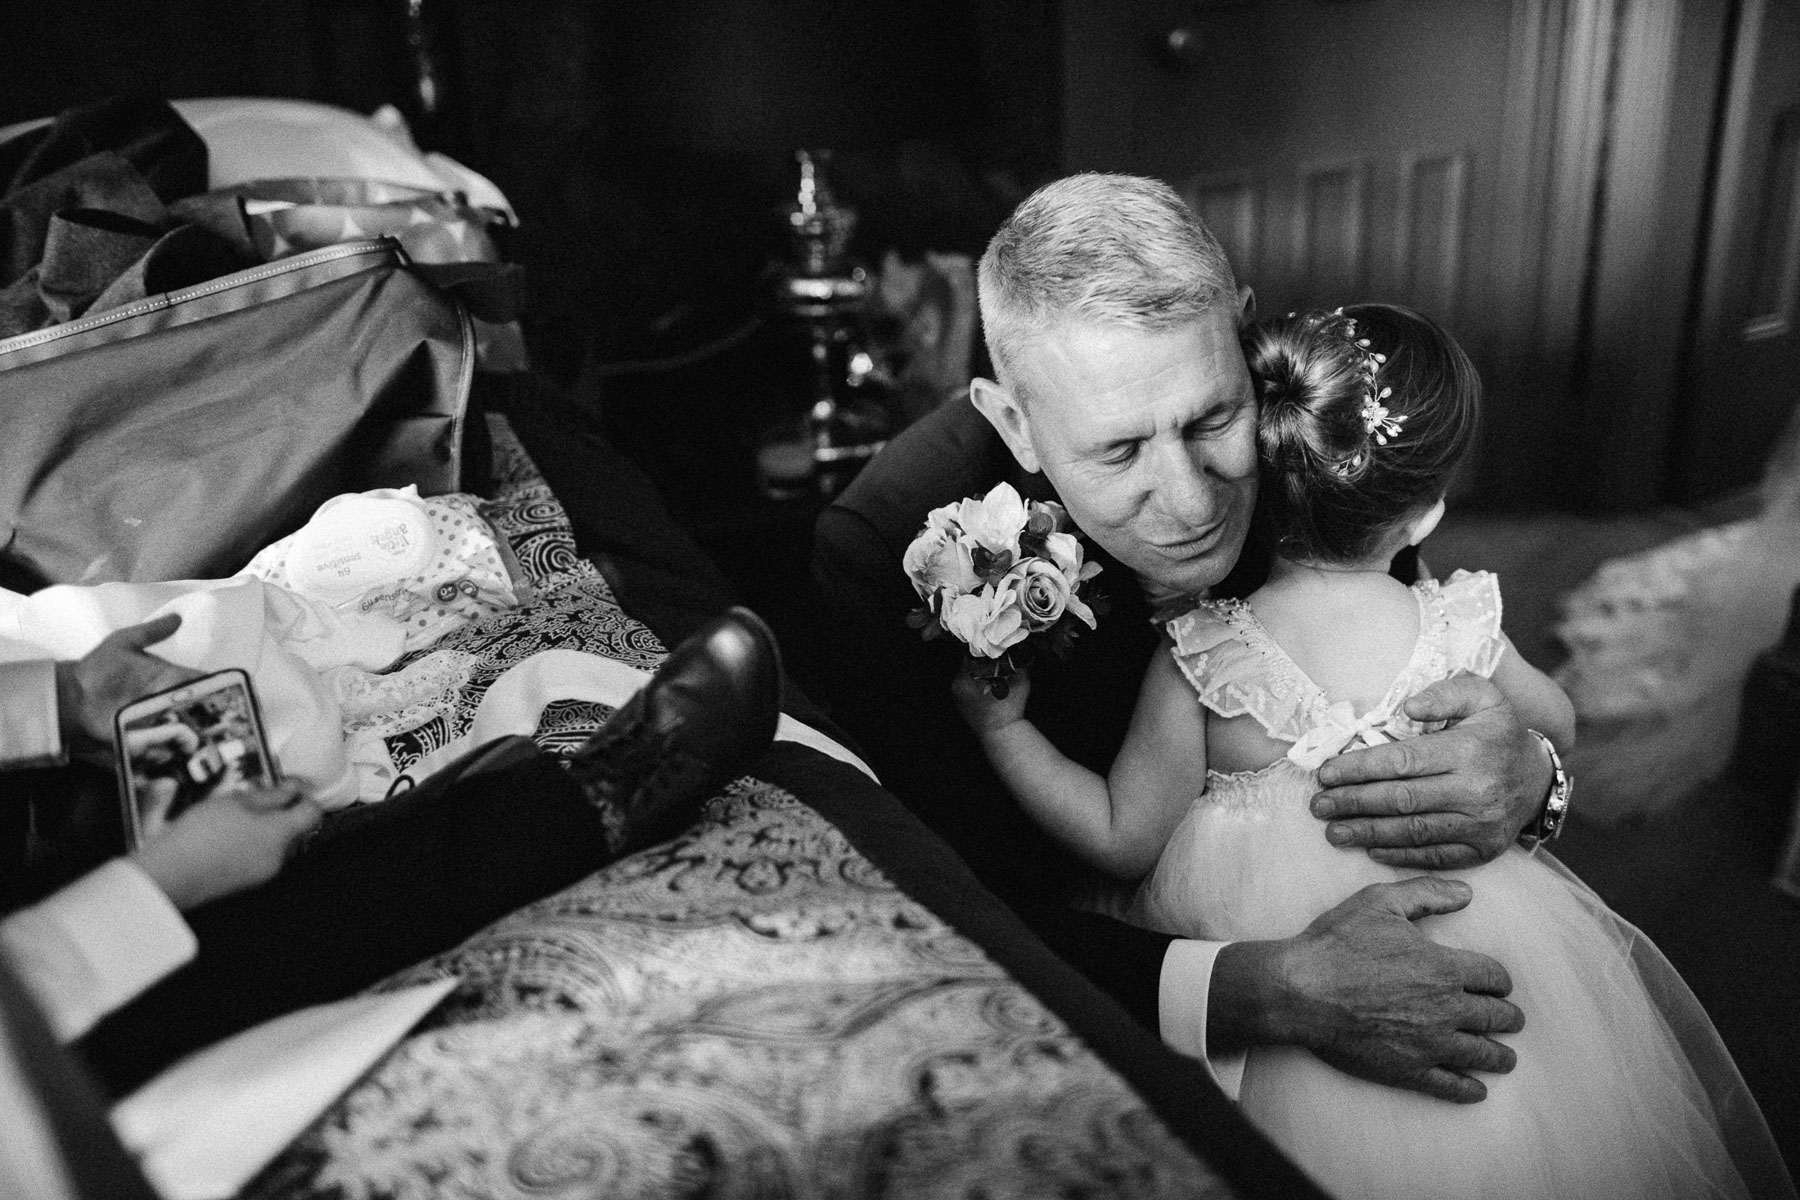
x=1003 y=577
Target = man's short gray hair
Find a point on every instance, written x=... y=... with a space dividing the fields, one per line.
x=1119 y=249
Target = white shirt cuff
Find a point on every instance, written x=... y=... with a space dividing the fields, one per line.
x=29 y=732
x=95 y=945
x=1181 y=1003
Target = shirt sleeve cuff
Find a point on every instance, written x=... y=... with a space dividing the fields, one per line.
x=1182 y=999
x=29 y=733
x=96 y=945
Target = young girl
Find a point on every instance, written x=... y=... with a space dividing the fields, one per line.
x=1622 y=1089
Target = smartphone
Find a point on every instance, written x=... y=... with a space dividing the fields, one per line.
x=180 y=746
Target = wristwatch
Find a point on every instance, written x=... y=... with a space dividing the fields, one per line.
x=1549 y=823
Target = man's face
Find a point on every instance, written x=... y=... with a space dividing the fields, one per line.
x=1149 y=439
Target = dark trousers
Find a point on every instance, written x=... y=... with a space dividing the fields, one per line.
x=376 y=890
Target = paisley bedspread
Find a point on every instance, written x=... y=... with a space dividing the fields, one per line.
x=751 y=1010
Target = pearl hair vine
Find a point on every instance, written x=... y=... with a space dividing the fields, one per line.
x=1379 y=425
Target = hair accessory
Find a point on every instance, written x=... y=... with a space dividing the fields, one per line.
x=1378 y=422
x=1376 y=419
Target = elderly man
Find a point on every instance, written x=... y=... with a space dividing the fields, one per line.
x=1111 y=317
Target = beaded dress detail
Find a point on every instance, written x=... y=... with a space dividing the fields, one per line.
x=1622 y=1088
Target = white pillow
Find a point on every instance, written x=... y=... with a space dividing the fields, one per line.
x=261 y=137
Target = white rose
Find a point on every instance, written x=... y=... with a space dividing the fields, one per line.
x=989 y=621
x=938 y=561
x=995 y=521
x=944 y=517
x=1044 y=592
x=1064 y=549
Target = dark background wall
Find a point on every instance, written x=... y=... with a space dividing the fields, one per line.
x=648 y=147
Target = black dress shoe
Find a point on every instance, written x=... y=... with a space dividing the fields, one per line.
x=706 y=715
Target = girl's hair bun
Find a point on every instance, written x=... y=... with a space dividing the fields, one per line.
x=1333 y=487
x=1306 y=367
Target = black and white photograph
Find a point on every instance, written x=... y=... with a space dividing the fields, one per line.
x=900 y=598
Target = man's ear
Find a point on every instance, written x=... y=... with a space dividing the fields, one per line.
x=1004 y=412
x=1246 y=304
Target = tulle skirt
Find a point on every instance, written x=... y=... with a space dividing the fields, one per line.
x=1622 y=1090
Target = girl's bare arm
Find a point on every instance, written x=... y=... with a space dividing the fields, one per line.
x=1121 y=821
x=1535 y=698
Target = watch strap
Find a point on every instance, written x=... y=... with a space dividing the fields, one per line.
x=1549 y=823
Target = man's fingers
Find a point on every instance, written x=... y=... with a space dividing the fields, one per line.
x=1399 y=833
x=1448 y=1085
x=1462 y=695
x=288 y=798
x=1390 y=796
x=307 y=814
x=1390 y=760
x=1487 y=1015
x=286 y=794
x=142 y=637
x=1422 y=896
x=1453 y=856
x=1472 y=1053
x=1488 y=979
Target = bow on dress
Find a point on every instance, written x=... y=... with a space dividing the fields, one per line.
x=1338 y=727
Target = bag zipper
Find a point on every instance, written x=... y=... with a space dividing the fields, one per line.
x=381 y=246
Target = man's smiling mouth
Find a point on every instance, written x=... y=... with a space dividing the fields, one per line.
x=1193 y=542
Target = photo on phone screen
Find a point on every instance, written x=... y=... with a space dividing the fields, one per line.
x=180 y=746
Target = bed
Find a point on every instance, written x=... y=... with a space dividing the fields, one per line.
x=806 y=993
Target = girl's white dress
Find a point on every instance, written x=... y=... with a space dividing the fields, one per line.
x=1622 y=1088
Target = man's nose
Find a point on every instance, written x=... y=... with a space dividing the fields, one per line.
x=1182 y=487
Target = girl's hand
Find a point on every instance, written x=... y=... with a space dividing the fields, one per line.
x=978 y=707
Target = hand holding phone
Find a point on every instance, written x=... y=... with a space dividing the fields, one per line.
x=90 y=689
x=182 y=745
x=227 y=843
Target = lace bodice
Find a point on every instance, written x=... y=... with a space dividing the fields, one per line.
x=1237 y=668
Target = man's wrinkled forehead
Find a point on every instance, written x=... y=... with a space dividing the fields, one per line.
x=1031 y=351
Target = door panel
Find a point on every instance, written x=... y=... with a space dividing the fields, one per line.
x=1746 y=365
x=1330 y=146
x=1340 y=152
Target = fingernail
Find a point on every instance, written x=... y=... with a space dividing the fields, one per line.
x=1321 y=807
x=1337 y=834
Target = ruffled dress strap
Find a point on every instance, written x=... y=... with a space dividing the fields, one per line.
x=1468 y=604
x=1234 y=666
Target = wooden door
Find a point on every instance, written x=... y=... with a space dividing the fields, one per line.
x=1340 y=151
x=1745 y=378
x=1450 y=155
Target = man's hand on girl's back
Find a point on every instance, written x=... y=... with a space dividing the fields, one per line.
x=1445 y=800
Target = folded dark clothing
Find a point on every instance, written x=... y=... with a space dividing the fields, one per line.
x=147 y=133
x=84 y=219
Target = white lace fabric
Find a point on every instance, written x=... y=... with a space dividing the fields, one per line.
x=1238 y=669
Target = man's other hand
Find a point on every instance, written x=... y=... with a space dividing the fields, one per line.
x=1455 y=798
x=229 y=842
x=114 y=673
x=1370 y=994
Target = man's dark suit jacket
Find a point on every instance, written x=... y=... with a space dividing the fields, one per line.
x=891 y=690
